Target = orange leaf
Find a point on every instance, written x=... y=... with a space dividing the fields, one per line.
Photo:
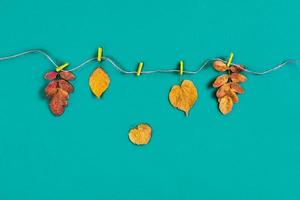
x=225 y=105
x=220 y=66
x=232 y=95
x=183 y=96
x=220 y=80
x=236 y=77
x=141 y=134
x=221 y=92
x=237 y=88
x=99 y=82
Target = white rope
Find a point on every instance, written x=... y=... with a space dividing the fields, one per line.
x=44 y=53
x=124 y=71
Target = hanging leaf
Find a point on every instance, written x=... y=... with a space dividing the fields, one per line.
x=220 y=80
x=221 y=92
x=65 y=85
x=67 y=75
x=237 y=69
x=184 y=96
x=236 y=77
x=140 y=135
x=50 y=76
x=220 y=66
x=99 y=82
x=58 y=102
x=57 y=91
x=237 y=88
x=51 y=88
x=232 y=95
x=225 y=104
x=228 y=85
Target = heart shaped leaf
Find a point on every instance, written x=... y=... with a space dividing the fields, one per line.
x=183 y=96
x=140 y=135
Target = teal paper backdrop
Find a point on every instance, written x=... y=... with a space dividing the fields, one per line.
x=253 y=153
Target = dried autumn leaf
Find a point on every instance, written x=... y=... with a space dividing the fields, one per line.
x=237 y=88
x=236 y=69
x=50 y=76
x=99 y=82
x=220 y=66
x=220 y=80
x=232 y=95
x=51 y=88
x=225 y=105
x=236 y=77
x=221 y=92
x=58 y=102
x=140 y=135
x=67 y=75
x=184 y=96
x=65 y=85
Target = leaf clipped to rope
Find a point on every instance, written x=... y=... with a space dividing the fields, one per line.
x=183 y=96
x=141 y=134
x=228 y=85
x=58 y=90
x=99 y=82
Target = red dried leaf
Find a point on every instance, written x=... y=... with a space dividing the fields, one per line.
x=56 y=105
x=58 y=102
x=67 y=75
x=50 y=76
x=65 y=85
x=51 y=88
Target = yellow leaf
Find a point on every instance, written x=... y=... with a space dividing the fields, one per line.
x=225 y=104
x=99 y=82
x=183 y=96
x=141 y=134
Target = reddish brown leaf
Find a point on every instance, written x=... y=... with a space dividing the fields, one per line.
x=56 y=105
x=65 y=85
x=220 y=66
x=236 y=77
x=236 y=69
x=67 y=75
x=50 y=76
x=221 y=92
x=51 y=88
x=220 y=80
x=237 y=88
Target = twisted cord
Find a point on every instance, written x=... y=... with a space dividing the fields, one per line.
x=124 y=71
x=32 y=51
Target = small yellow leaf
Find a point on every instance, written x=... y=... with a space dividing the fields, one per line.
x=225 y=104
x=99 y=82
x=183 y=96
x=141 y=134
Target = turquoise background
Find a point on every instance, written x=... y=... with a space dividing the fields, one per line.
x=253 y=153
